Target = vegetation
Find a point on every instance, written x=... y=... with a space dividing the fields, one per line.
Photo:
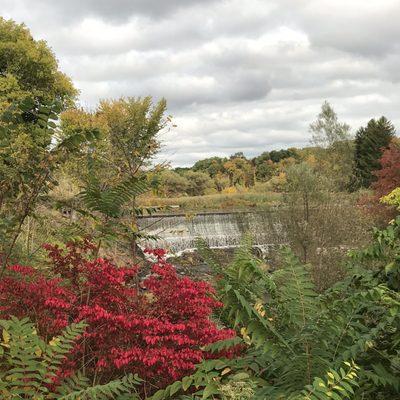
x=125 y=318
x=86 y=313
x=297 y=344
x=370 y=142
x=30 y=366
x=29 y=70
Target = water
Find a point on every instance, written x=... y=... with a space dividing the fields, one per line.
x=178 y=233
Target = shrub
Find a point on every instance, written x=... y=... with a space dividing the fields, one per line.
x=199 y=182
x=155 y=327
x=29 y=365
x=298 y=344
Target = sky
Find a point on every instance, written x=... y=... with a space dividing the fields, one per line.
x=238 y=75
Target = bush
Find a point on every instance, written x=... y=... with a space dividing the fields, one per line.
x=29 y=365
x=199 y=182
x=155 y=327
x=172 y=184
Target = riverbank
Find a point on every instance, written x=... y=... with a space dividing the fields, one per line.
x=214 y=202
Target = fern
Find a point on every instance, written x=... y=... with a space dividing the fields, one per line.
x=109 y=202
x=28 y=364
x=292 y=334
x=241 y=286
x=296 y=297
x=79 y=389
x=337 y=385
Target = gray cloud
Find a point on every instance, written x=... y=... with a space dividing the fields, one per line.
x=238 y=76
x=111 y=10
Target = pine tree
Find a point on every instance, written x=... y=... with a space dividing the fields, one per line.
x=369 y=145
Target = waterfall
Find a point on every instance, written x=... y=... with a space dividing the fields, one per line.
x=177 y=233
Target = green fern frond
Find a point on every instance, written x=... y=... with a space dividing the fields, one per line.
x=223 y=345
x=111 y=390
x=109 y=202
x=296 y=295
x=27 y=365
x=337 y=385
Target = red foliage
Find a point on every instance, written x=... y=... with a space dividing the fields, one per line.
x=388 y=177
x=158 y=332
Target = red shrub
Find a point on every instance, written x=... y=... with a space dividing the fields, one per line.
x=388 y=177
x=157 y=333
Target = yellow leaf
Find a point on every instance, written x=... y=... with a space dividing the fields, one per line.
x=225 y=371
x=54 y=342
x=6 y=336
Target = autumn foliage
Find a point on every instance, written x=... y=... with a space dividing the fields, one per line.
x=155 y=327
x=388 y=177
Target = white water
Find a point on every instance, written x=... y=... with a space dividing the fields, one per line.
x=178 y=233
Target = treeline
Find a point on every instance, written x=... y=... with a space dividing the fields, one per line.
x=350 y=161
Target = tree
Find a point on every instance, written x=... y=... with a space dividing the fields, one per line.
x=317 y=225
x=327 y=130
x=29 y=157
x=388 y=176
x=28 y=69
x=240 y=172
x=212 y=166
x=238 y=154
x=132 y=128
x=334 y=147
x=199 y=182
x=172 y=183
x=370 y=143
x=264 y=166
x=32 y=93
x=112 y=173
x=278 y=155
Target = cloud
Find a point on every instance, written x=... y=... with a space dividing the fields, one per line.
x=238 y=76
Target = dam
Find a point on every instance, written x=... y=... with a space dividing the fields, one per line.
x=178 y=232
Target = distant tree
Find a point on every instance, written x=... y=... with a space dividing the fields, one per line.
x=240 y=172
x=263 y=166
x=316 y=224
x=238 y=154
x=29 y=69
x=199 y=182
x=278 y=155
x=221 y=181
x=182 y=170
x=173 y=184
x=213 y=166
x=333 y=146
x=388 y=176
x=265 y=170
x=370 y=143
x=327 y=129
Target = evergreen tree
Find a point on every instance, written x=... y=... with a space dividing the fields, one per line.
x=370 y=143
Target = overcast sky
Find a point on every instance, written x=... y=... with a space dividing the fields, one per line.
x=238 y=75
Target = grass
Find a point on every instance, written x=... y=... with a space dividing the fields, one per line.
x=215 y=202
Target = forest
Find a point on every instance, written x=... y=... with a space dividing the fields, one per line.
x=88 y=312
